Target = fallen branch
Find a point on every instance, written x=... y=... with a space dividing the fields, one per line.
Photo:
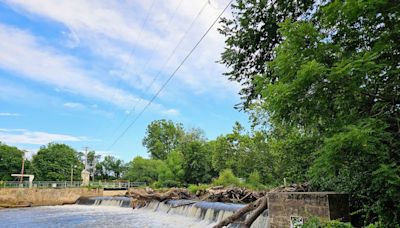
x=238 y=214
x=257 y=212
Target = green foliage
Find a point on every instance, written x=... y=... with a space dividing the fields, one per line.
x=197 y=161
x=193 y=188
x=251 y=35
x=316 y=222
x=171 y=175
x=162 y=137
x=254 y=181
x=144 y=170
x=227 y=178
x=243 y=153
x=110 y=168
x=54 y=161
x=10 y=161
x=327 y=82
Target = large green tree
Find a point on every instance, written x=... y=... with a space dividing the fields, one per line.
x=110 y=168
x=162 y=137
x=10 y=161
x=330 y=90
x=144 y=170
x=54 y=162
x=251 y=36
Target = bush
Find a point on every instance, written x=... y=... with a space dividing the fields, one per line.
x=315 y=222
x=194 y=188
x=227 y=178
x=254 y=181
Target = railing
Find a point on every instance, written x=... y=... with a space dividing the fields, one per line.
x=69 y=184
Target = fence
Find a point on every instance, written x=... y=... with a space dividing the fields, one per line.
x=69 y=184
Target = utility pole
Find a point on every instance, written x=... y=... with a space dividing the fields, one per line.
x=72 y=174
x=22 y=169
x=86 y=157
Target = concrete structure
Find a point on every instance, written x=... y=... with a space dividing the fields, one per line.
x=31 y=177
x=85 y=177
x=290 y=209
x=22 y=197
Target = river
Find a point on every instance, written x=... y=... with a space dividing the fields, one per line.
x=116 y=212
x=93 y=216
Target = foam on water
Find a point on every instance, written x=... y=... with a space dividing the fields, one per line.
x=206 y=212
x=116 y=212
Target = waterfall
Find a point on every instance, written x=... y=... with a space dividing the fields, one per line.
x=105 y=201
x=211 y=212
x=205 y=212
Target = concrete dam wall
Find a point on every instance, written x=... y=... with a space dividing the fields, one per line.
x=23 y=197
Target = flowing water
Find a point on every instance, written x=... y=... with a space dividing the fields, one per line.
x=116 y=212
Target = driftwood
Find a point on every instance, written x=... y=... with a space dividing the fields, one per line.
x=263 y=205
x=240 y=213
x=147 y=195
x=230 y=194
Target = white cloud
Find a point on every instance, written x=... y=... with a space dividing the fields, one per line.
x=23 y=136
x=24 y=55
x=171 y=112
x=74 y=105
x=114 y=32
x=9 y=114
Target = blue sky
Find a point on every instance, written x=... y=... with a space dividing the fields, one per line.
x=72 y=71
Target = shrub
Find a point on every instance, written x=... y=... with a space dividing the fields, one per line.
x=227 y=178
x=194 y=188
x=315 y=222
x=254 y=181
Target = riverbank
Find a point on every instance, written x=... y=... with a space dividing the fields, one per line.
x=29 y=197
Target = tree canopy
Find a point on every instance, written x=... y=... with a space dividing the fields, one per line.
x=326 y=77
x=162 y=137
x=10 y=161
x=54 y=162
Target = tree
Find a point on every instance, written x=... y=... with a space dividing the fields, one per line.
x=144 y=170
x=54 y=161
x=10 y=161
x=196 y=157
x=111 y=168
x=162 y=137
x=330 y=88
x=173 y=173
x=251 y=36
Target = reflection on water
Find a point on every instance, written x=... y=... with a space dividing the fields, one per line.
x=93 y=216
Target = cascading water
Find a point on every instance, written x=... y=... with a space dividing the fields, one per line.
x=207 y=213
x=210 y=212
x=105 y=201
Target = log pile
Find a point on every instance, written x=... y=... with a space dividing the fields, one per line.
x=230 y=195
x=141 y=197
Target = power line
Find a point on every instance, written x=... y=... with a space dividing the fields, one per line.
x=170 y=77
x=132 y=51
x=147 y=62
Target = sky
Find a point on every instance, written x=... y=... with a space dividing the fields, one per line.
x=79 y=72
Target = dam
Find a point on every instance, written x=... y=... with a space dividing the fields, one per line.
x=116 y=212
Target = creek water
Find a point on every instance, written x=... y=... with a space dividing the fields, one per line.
x=115 y=212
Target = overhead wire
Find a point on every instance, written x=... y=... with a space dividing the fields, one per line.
x=128 y=115
x=170 y=77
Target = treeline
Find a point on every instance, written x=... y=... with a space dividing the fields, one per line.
x=56 y=162
x=180 y=156
x=177 y=157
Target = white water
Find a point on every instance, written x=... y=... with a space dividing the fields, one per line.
x=112 y=212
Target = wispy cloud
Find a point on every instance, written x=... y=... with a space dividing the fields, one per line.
x=9 y=114
x=74 y=105
x=24 y=55
x=117 y=28
x=23 y=136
